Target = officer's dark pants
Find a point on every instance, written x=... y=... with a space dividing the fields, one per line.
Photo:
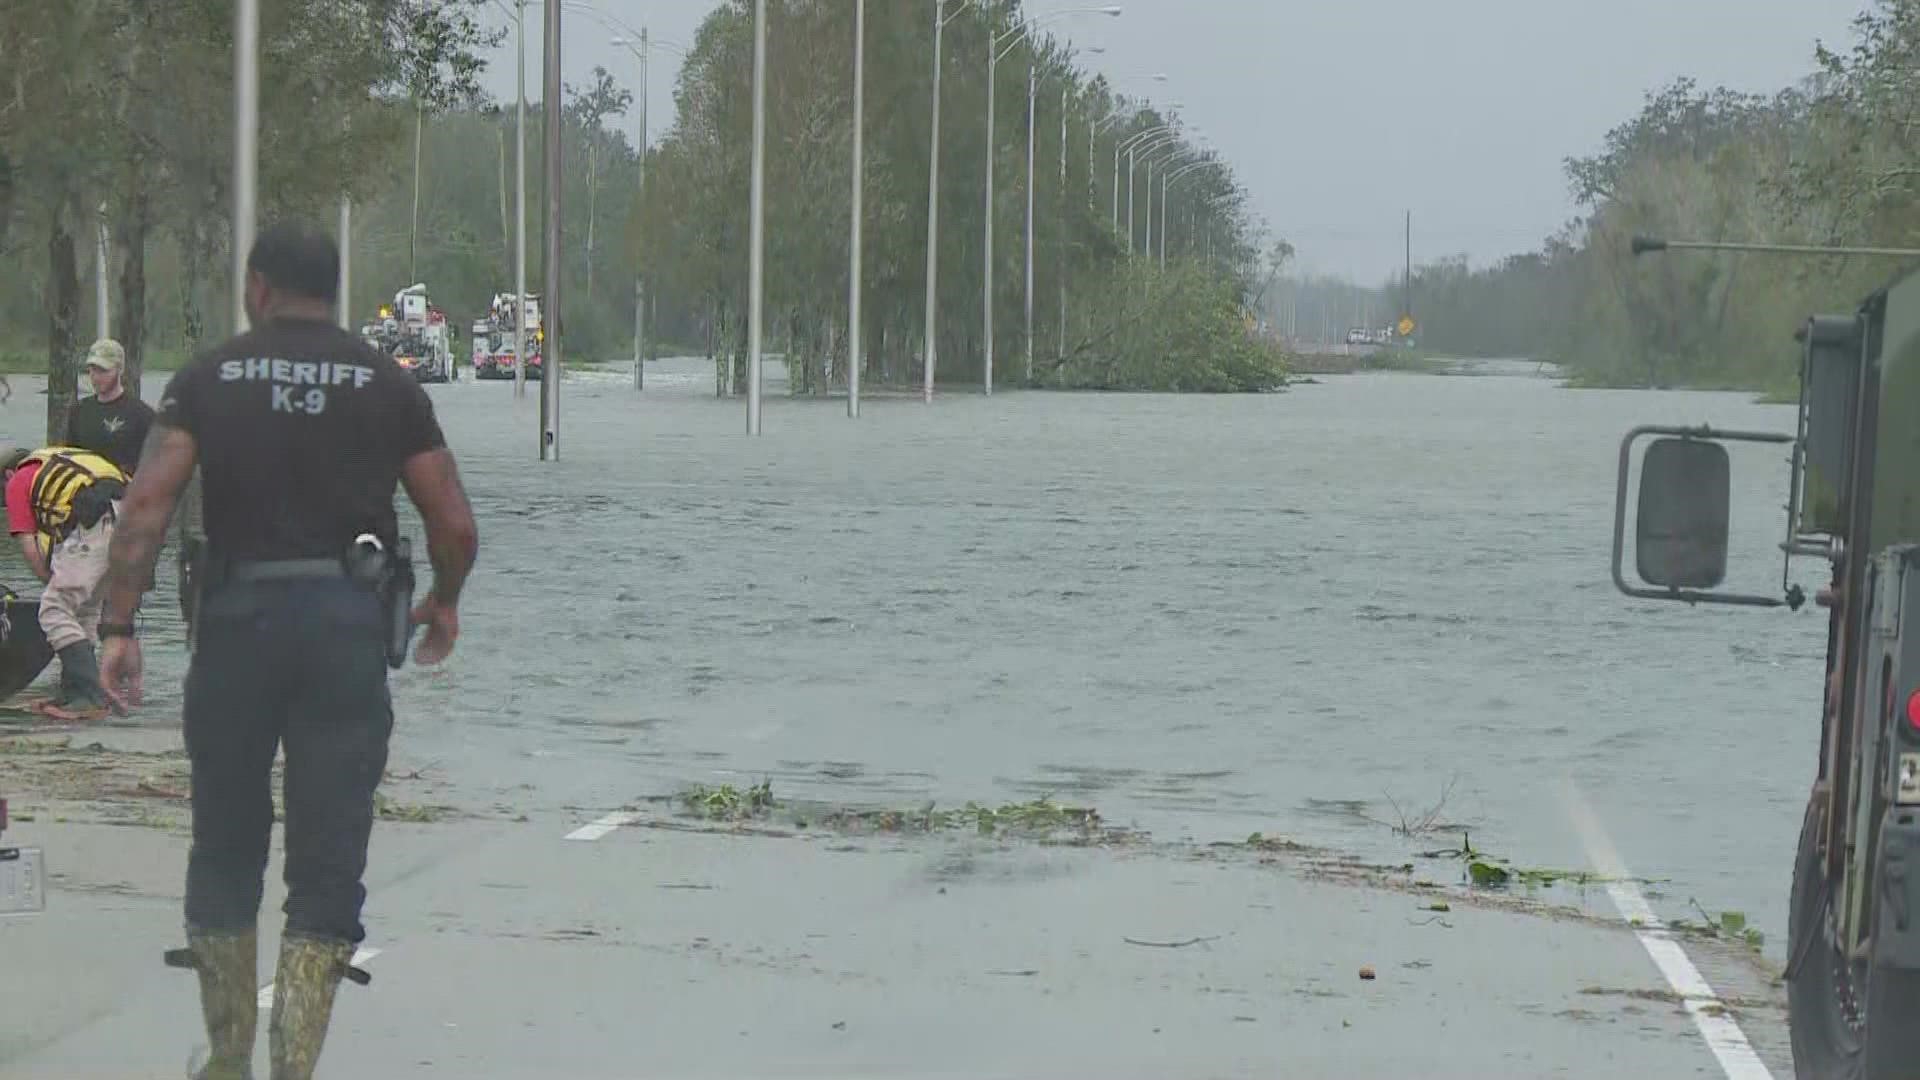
x=300 y=664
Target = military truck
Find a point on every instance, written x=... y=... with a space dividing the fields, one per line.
x=1853 y=974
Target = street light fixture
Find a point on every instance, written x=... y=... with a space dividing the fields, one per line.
x=1125 y=146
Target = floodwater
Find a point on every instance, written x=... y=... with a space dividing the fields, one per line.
x=1206 y=616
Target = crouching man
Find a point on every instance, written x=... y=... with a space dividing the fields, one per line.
x=61 y=503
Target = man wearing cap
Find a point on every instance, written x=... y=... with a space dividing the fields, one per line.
x=111 y=423
x=61 y=502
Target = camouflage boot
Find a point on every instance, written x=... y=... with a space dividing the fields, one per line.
x=310 y=970
x=227 y=963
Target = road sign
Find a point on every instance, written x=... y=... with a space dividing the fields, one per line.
x=1406 y=326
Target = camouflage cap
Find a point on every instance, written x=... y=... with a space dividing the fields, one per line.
x=107 y=355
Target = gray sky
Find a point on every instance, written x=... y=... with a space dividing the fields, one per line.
x=1341 y=115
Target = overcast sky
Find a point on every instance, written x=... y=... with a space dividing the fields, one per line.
x=1341 y=115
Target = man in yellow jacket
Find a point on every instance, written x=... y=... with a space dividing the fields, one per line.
x=61 y=502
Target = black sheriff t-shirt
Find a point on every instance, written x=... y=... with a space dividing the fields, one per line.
x=302 y=431
x=116 y=430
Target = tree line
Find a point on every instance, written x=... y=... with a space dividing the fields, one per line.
x=120 y=111
x=1829 y=160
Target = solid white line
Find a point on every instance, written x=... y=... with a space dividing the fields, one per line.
x=604 y=826
x=1723 y=1035
x=360 y=957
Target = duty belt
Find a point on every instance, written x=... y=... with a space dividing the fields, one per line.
x=285 y=570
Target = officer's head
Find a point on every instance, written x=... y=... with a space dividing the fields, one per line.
x=293 y=269
x=10 y=459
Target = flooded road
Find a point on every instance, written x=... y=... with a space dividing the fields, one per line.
x=1309 y=614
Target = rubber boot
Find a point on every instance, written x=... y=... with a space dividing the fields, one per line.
x=80 y=681
x=310 y=970
x=228 y=965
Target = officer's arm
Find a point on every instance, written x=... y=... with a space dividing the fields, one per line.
x=166 y=465
x=453 y=540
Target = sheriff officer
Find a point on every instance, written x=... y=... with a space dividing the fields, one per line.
x=301 y=434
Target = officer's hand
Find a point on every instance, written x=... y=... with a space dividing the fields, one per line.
x=120 y=669
x=443 y=629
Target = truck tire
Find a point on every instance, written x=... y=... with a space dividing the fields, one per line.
x=1833 y=1033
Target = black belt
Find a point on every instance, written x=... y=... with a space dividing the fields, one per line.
x=286 y=570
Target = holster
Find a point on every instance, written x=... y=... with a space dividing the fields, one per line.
x=195 y=569
x=389 y=572
x=95 y=502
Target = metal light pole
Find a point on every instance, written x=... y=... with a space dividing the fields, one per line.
x=413 y=234
x=986 y=296
x=102 y=322
x=1134 y=152
x=859 y=183
x=552 y=304
x=520 y=201
x=940 y=20
x=639 y=270
x=757 y=212
x=344 y=304
x=1033 y=76
x=246 y=137
x=1125 y=146
x=1060 y=343
x=994 y=55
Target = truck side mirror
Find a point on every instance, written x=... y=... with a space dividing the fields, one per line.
x=1681 y=515
x=1680 y=532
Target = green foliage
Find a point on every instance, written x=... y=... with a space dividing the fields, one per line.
x=129 y=102
x=1181 y=329
x=1830 y=161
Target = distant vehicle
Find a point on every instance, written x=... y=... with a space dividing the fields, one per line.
x=496 y=359
x=416 y=334
x=1359 y=335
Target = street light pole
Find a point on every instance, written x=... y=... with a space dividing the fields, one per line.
x=994 y=53
x=639 y=268
x=859 y=182
x=246 y=137
x=933 y=204
x=554 y=320
x=344 y=304
x=1060 y=343
x=1033 y=76
x=102 y=320
x=520 y=201
x=756 y=268
x=986 y=300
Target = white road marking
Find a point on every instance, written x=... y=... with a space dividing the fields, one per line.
x=360 y=957
x=605 y=825
x=1723 y=1035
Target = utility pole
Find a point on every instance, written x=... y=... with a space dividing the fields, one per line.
x=345 y=302
x=859 y=182
x=639 y=273
x=102 y=324
x=520 y=200
x=1060 y=343
x=756 y=265
x=554 y=322
x=246 y=143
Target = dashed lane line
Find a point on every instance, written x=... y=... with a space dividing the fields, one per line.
x=1717 y=1026
x=605 y=825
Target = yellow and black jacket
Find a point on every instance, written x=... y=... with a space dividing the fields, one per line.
x=73 y=488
